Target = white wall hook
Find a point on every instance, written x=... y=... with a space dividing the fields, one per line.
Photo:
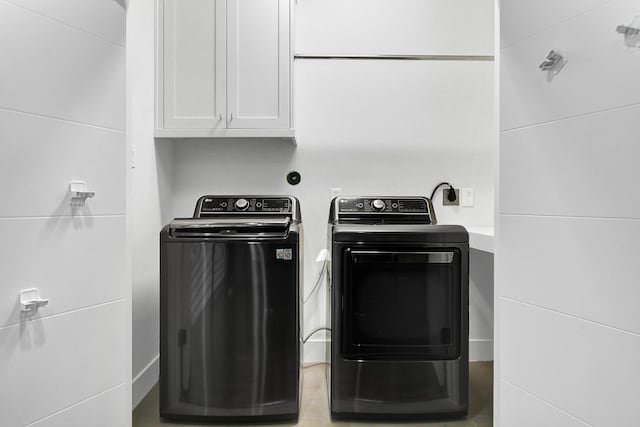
x=30 y=300
x=554 y=62
x=628 y=31
x=79 y=193
x=631 y=33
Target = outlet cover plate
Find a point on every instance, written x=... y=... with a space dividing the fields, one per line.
x=445 y=200
x=466 y=197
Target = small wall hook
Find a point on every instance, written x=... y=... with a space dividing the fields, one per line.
x=554 y=62
x=79 y=193
x=631 y=33
x=30 y=301
x=628 y=31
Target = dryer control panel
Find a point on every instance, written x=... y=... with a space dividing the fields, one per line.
x=383 y=205
x=386 y=209
x=208 y=206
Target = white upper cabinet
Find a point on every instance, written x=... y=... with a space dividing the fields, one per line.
x=194 y=64
x=258 y=63
x=224 y=68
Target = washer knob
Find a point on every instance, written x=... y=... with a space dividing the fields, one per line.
x=378 y=205
x=242 y=204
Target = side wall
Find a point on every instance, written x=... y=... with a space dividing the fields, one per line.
x=150 y=194
x=567 y=255
x=62 y=119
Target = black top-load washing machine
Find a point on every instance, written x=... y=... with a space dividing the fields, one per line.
x=399 y=311
x=230 y=310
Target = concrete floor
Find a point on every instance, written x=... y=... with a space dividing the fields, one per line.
x=314 y=410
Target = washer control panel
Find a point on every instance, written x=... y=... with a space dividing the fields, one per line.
x=213 y=205
x=382 y=205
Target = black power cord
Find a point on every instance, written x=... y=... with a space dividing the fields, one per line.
x=316 y=330
x=451 y=194
x=316 y=286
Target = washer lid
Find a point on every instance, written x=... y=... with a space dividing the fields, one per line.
x=243 y=228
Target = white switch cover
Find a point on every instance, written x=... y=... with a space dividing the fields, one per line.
x=466 y=197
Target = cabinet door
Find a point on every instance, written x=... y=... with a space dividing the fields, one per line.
x=193 y=64
x=258 y=64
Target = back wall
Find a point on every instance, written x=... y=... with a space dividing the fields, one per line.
x=379 y=127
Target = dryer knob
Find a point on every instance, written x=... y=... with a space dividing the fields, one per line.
x=242 y=204
x=378 y=205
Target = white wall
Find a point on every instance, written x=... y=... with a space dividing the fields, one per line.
x=369 y=127
x=150 y=191
x=566 y=263
x=62 y=103
x=480 y=305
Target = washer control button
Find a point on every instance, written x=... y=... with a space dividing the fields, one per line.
x=378 y=205
x=242 y=204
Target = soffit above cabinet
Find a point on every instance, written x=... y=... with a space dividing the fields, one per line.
x=392 y=27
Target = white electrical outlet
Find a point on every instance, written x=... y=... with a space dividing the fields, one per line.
x=466 y=197
x=335 y=192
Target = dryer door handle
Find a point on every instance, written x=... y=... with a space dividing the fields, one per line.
x=399 y=257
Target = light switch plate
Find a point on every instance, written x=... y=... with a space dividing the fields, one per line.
x=466 y=197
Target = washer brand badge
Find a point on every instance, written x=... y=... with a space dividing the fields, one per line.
x=285 y=254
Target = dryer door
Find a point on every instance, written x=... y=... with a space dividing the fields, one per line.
x=401 y=304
